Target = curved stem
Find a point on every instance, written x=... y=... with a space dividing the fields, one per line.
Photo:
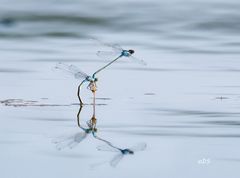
x=106 y=66
x=78 y=92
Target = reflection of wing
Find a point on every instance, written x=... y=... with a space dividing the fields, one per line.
x=71 y=69
x=140 y=61
x=107 y=54
x=69 y=141
x=116 y=159
x=79 y=137
x=139 y=147
x=107 y=148
x=95 y=165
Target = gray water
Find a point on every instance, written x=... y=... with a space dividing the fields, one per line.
x=184 y=104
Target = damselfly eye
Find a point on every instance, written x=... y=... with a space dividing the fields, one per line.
x=131 y=152
x=131 y=51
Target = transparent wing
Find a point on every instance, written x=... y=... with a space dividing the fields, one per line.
x=140 y=61
x=108 y=54
x=139 y=147
x=69 y=141
x=107 y=148
x=71 y=69
x=115 y=47
x=116 y=159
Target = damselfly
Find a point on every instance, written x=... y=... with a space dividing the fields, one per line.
x=92 y=78
x=121 y=152
x=74 y=139
x=117 y=52
x=78 y=74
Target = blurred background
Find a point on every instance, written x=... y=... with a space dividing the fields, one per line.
x=176 y=26
x=184 y=104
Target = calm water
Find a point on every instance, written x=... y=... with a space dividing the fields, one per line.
x=184 y=104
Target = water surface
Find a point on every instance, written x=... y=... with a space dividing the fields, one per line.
x=184 y=104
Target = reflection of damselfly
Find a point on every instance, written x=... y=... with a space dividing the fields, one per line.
x=69 y=141
x=74 y=139
x=121 y=152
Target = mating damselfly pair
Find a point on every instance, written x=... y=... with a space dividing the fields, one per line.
x=116 y=51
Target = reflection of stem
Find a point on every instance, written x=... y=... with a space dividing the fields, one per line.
x=94 y=103
x=92 y=123
x=93 y=119
x=78 y=115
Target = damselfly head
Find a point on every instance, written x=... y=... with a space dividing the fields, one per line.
x=96 y=79
x=131 y=51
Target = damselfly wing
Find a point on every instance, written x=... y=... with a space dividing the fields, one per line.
x=71 y=69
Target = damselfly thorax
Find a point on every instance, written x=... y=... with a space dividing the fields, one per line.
x=91 y=79
x=127 y=53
